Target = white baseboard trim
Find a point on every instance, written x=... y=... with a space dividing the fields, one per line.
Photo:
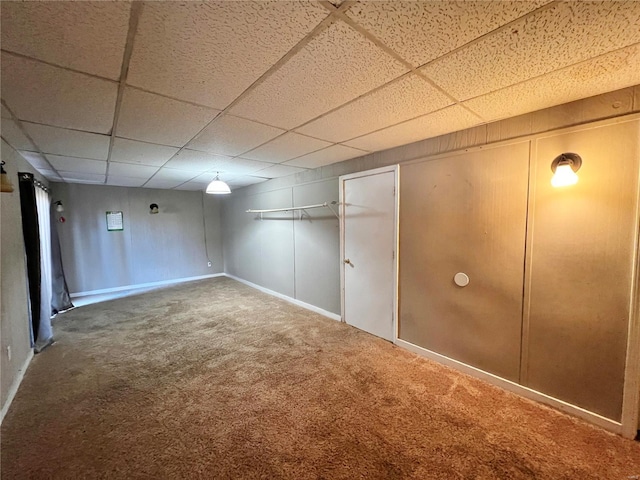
x=510 y=386
x=16 y=384
x=308 y=306
x=143 y=285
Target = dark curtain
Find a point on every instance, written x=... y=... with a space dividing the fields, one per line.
x=60 y=299
x=31 y=235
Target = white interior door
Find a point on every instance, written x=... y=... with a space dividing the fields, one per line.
x=369 y=244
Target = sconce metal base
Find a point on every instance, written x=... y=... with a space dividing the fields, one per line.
x=572 y=159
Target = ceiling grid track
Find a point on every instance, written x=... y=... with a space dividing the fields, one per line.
x=324 y=24
x=134 y=17
x=26 y=134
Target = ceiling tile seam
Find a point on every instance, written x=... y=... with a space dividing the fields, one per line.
x=62 y=128
x=566 y=67
x=26 y=134
x=275 y=138
x=496 y=30
x=175 y=99
x=122 y=137
x=366 y=94
x=395 y=125
x=134 y=17
x=363 y=31
x=323 y=148
x=324 y=24
x=61 y=67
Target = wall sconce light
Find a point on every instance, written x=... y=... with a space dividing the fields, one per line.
x=5 y=183
x=59 y=206
x=218 y=187
x=564 y=168
x=153 y=208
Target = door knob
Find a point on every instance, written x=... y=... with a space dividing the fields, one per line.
x=347 y=261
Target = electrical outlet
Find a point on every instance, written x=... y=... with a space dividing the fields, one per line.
x=9 y=352
x=208 y=264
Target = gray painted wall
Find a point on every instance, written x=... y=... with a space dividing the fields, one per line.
x=292 y=256
x=14 y=315
x=166 y=246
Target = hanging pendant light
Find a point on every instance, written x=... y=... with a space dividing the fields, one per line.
x=218 y=187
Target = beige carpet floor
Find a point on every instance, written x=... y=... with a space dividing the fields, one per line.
x=213 y=379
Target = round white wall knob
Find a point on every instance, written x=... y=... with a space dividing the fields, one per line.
x=461 y=279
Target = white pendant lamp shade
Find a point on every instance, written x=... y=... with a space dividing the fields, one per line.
x=218 y=187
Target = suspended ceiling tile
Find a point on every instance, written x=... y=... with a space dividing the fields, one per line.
x=209 y=53
x=242 y=166
x=229 y=135
x=276 y=171
x=5 y=112
x=36 y=160
x=77 y=165
x=124 y=181
x=556 y=37
x=286 y=147
x=422 y=31
x=70 y=143
x=612 y=71
x=246 y=180
x=192 y=186
x=338 y=65
x=142 y=153
x=152 y=118
x=14 y=136
x=162 y=183
x=51 y=175
x=85 y=36
x=174 y=175
x=76 y=177
x=40 y=93
x=195 y=161
x=407 y=98
x=327 y=156
x=444 y=121
x=129 y=170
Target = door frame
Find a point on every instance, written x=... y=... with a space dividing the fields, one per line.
x=367 y=173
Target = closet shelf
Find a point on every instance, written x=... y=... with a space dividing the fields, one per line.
x=293 y=209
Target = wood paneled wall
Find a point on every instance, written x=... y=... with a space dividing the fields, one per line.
x=548 y=304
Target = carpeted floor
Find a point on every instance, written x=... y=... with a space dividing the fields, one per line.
x=213 y=379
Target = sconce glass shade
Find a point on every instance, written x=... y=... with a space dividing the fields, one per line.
x=218 y=187
x=564 y=168
x=564 y=176
x=59 y=207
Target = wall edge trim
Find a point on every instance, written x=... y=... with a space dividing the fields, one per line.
x=16 y=385
x=564 y=407
x=144 y=285
x=308 y=306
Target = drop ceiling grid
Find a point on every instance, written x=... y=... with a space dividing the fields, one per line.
x=77 y=165
x=156 y=119
x=83 y=36
x=420 y=32
x=233 y=136
x=71 y=143
x=326 y=156
x=406 y=98
x=40 y=93
x=536 y=45
x=209 y=53
x=610 y=71
x=306 y=86
x=443 y=121
x=286 y=147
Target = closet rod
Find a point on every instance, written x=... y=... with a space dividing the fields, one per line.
x=269 y=210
